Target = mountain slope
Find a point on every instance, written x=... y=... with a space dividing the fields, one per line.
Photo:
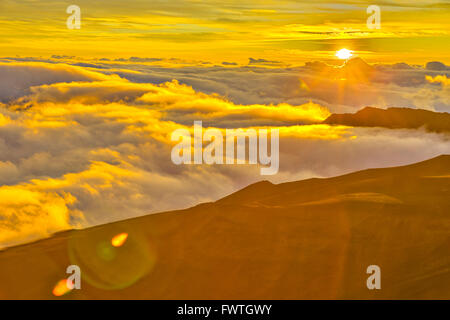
x=306 y=239
x=394 y=118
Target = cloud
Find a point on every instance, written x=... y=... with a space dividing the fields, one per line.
x=174 y=101
x=88 y=147
x=439 y=79
x=345 y=89
x=28 y=214
x=264 y=62
x=436 y=66
x=225 y=63
x=17 y=78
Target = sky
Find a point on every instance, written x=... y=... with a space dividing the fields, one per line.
x=288 y=31
x=86 y=115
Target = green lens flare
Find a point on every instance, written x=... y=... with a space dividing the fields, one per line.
x=107 y=266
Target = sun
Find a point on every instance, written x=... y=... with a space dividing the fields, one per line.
x=344 y=54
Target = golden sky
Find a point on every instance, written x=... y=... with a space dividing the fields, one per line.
x=288 y=31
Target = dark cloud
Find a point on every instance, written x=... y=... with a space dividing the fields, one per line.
x=225 y=63
x=263 y=62
x=436 y=66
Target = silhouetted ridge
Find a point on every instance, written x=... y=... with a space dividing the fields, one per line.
x=264 y=192
x=394 y=118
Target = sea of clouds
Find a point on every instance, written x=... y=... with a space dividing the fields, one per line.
x=85 y=143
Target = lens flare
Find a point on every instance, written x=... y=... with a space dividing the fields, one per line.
x=61 y=288
x=119 y=240
x=112 y=257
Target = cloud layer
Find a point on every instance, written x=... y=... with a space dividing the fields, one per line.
x=82 y=146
